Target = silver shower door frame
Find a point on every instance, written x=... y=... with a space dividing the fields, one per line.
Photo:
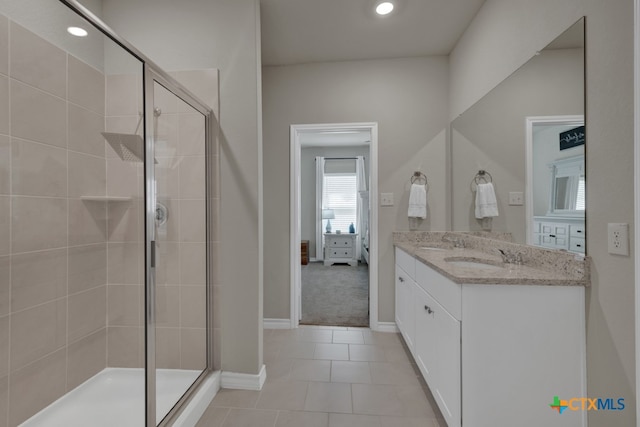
x=153 y=73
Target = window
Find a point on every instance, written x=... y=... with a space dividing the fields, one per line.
x=339 y=193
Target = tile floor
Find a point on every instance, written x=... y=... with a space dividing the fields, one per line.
x=320 y=376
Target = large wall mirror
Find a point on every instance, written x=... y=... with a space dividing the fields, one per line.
x=527 y=138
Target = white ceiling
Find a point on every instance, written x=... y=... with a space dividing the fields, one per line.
x=303 y=31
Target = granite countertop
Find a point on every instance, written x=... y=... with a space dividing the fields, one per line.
x=513 y=274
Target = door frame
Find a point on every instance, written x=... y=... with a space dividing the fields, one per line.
x=296 y=131
x=636 y=179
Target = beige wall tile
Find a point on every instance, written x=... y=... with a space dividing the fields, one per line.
x=121 y=95
x=86 y=358
x=168 y=178
x=5 y=285
x=217 y=348
x=191 y=141
x=122 y=178
x=193 y=308
x=192 y=263
x=86 y=86
x=5 y=164
x=192 y=178
x=38 y=277
x=217 y=306
x=87 y=175
x=124 y=263
x=36 y=386
x=192 y=221
x=87 y=312
x=87 y=267
x=214 y=259
x=37 y=62
x=168 y=266
x=4 y=401
x=38 y=223
x=84 y=131
x=165 y=100
x=193 y=347
x=87 y=222
x=4 y=105
x=125 y=221
x=167 y=139
x=4 y=49
x=28 y=103
x=167 y=350
x=124 y=305
x=4 y=346
x=38 y=331
x=168 y=306
x=124 y=344
x=5 y=224
x=38 y=169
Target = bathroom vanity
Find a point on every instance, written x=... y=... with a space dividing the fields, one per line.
x=495 y=342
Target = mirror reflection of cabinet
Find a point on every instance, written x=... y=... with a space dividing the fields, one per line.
x=567 y=193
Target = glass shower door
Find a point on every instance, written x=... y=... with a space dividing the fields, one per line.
x=178 y=207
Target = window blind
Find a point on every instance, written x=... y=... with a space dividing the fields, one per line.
x=339 y=194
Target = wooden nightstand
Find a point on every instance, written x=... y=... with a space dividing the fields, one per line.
x=304 y=252
x=340 y=248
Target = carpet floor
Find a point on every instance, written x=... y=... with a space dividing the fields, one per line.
x=337 y=295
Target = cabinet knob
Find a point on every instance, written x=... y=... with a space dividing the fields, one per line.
x=578 y=231
x=401 y=279
x=552 y=235
x=429 y=311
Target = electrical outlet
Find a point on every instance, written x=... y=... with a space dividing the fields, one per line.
x=386 y=199
x=516 y=198
x=618 y=237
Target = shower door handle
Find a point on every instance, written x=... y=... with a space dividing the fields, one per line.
x=153 y=254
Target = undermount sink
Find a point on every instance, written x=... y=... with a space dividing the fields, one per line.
x=477 y=264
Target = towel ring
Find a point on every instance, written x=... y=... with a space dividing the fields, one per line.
x=419 y=176
x=480 y=177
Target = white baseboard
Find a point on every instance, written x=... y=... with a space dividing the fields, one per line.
x=244 y=381
x=276 y=324
x=387 y=327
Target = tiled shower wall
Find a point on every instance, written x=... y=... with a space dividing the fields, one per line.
x=53 y=269
x=71 y=265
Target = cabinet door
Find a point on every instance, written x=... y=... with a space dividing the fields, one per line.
x=404 y=306
x=448 y=387
x=426 y=337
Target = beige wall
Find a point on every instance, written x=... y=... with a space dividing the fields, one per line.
x=224 y=34
x=504 y=34
x=408 y=100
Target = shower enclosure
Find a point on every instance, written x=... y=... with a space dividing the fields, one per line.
x=108 y=200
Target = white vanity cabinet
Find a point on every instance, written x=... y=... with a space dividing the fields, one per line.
x=559 y=233
x=494 y=355
x=405 y=284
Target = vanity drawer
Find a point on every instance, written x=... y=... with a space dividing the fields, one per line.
x=577 y=244
x=447 y=293
x=577 y=231
x=340 y=242
x=406 y=262
x=340 y=253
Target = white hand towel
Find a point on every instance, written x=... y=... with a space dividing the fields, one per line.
x=417 y=201
x=486 y=204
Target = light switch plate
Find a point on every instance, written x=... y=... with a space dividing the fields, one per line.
x=516 y=198
x=386 y=199
x=618 y=238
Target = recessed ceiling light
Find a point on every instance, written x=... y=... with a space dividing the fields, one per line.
x=77 y=31
x=384 y=8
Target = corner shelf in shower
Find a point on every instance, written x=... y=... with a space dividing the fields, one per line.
x=105 y=199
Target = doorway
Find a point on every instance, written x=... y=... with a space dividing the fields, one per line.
x=333 y=183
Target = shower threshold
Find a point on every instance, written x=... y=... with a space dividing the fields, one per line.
x=114 y=397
